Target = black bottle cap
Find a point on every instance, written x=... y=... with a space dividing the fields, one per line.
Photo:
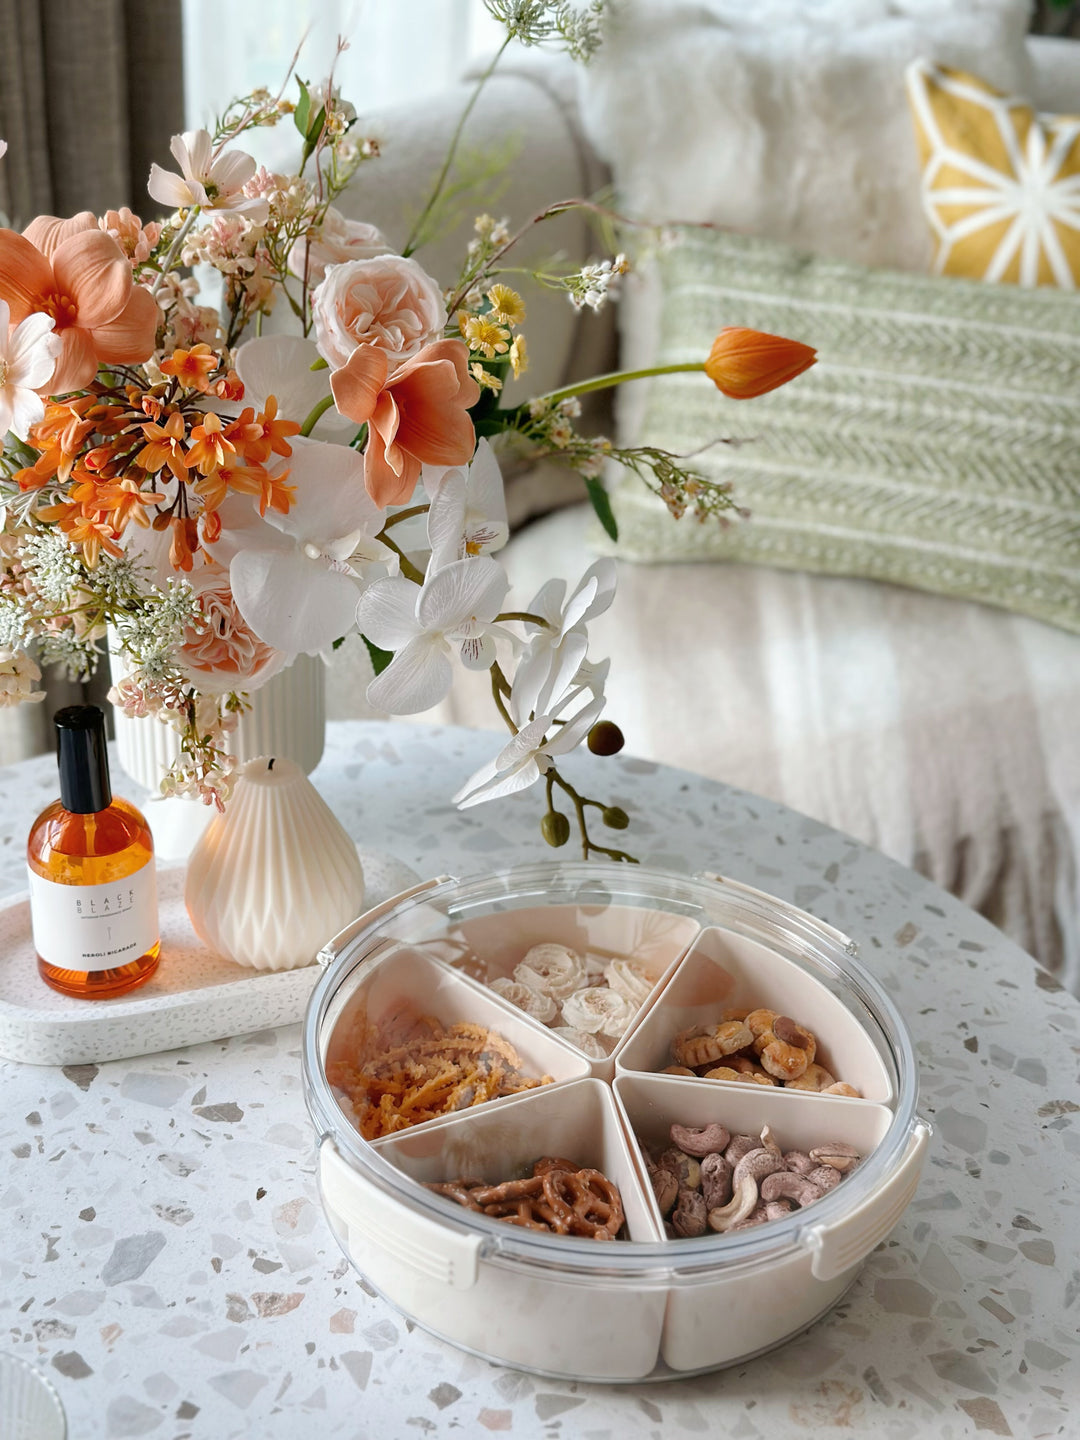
x=83 y=759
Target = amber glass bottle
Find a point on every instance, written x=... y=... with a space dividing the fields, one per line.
x=93 y=887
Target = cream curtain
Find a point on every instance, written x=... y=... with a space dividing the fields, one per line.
x=90 y=92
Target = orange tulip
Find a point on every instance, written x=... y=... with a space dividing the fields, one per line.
x=417 y=415
x=73 y=271
x=746 y=363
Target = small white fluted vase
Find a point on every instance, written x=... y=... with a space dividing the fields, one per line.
x=276 y=876
x=287 y=718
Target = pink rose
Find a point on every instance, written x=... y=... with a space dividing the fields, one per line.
x=227 y=655
x=335 y=241
x=388 y=302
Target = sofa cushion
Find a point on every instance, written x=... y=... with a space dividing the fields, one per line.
x=999 y=182
x=934 y=444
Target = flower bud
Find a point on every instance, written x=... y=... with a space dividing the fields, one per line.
x=746 y=363
x=555 y=828
x=615 y=818
x=605 y=738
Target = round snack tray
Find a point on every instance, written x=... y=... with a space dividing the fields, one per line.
x=423 y=1251
x=194 y=995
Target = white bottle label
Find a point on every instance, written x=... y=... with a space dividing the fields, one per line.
x=94 y=927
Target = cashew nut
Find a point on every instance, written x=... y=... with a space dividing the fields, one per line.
x=784 y=1185
x=738 y=1207
x=741 y=1145
x=798 y=1161
x=689 y=1216
x=837 y=1153
x=684 y=1167
x=777 y=1209
x=757 y=1163
x=825 y=1177
x=666 y=1189
x=768 y=1140
x=709 y=1141
x=716 y=1183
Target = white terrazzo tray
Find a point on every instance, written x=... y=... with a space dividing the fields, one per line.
x=193 y=995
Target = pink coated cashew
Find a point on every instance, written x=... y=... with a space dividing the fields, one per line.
x=708 y=1141
x=716 y=1183
x=689 y=1217
x=741 y=1145
x=825 y=1177
x=741 y=1205
x=798 y=1161
x=757 y=1163
x=784 y=1185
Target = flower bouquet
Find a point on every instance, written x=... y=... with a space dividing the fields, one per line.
x=226 y=500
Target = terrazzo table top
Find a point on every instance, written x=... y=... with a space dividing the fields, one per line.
x=164 y=1260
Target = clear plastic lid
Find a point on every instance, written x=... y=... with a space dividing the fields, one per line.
x=440 y=947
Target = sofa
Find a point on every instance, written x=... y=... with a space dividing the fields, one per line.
x=939 y=730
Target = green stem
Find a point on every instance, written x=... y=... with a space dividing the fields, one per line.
x=614 y=377
x=320 y=363
x=403 y=515
x=525 y=615
x=174 y=248
x=317 y=411
x=408 y=569
x=496 y=677
x=579 y=804
x=416 y=234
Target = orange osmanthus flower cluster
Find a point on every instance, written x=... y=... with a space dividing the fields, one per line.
x=114 y=455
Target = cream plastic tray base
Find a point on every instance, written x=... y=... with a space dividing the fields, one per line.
x=194 y=995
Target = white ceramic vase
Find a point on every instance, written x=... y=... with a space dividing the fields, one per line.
x=276 y=876
x=287 y=718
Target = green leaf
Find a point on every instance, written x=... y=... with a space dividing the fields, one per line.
x=379 y=658
x=313 y=133
x=493 y=424
x=602 y=505
x=302 y=113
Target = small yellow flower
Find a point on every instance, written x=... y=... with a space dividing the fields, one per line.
x=507 y=305
x=484 y=335
x=519 y=360
x=484 y=378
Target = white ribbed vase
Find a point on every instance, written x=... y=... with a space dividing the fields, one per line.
x=287 y=717
x=275 y=877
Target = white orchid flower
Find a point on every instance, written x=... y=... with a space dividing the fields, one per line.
x=468 y=508
x=294 y=576
x=456 y=605
x=28 y=354
x=529 y=754
x=556 y=650
x=214 y=182
x=280 y=365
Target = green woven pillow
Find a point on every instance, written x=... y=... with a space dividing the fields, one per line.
x=935 y=444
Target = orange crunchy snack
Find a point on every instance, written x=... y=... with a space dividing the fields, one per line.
x=416 y=1069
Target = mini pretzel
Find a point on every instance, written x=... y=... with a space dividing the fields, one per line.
x=559 y=1197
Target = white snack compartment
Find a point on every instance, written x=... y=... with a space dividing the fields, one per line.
x=556 y=1319
x=403 y=981
x=817 y=1252
x=722 y=971
x=490 y=947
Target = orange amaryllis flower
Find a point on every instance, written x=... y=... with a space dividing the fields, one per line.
x=746 y=363
x=415 y=416
x=73 y=271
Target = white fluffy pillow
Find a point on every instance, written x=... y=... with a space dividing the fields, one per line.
x=785 y=119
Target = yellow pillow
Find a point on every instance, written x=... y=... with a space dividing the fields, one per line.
x=1000 y=184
